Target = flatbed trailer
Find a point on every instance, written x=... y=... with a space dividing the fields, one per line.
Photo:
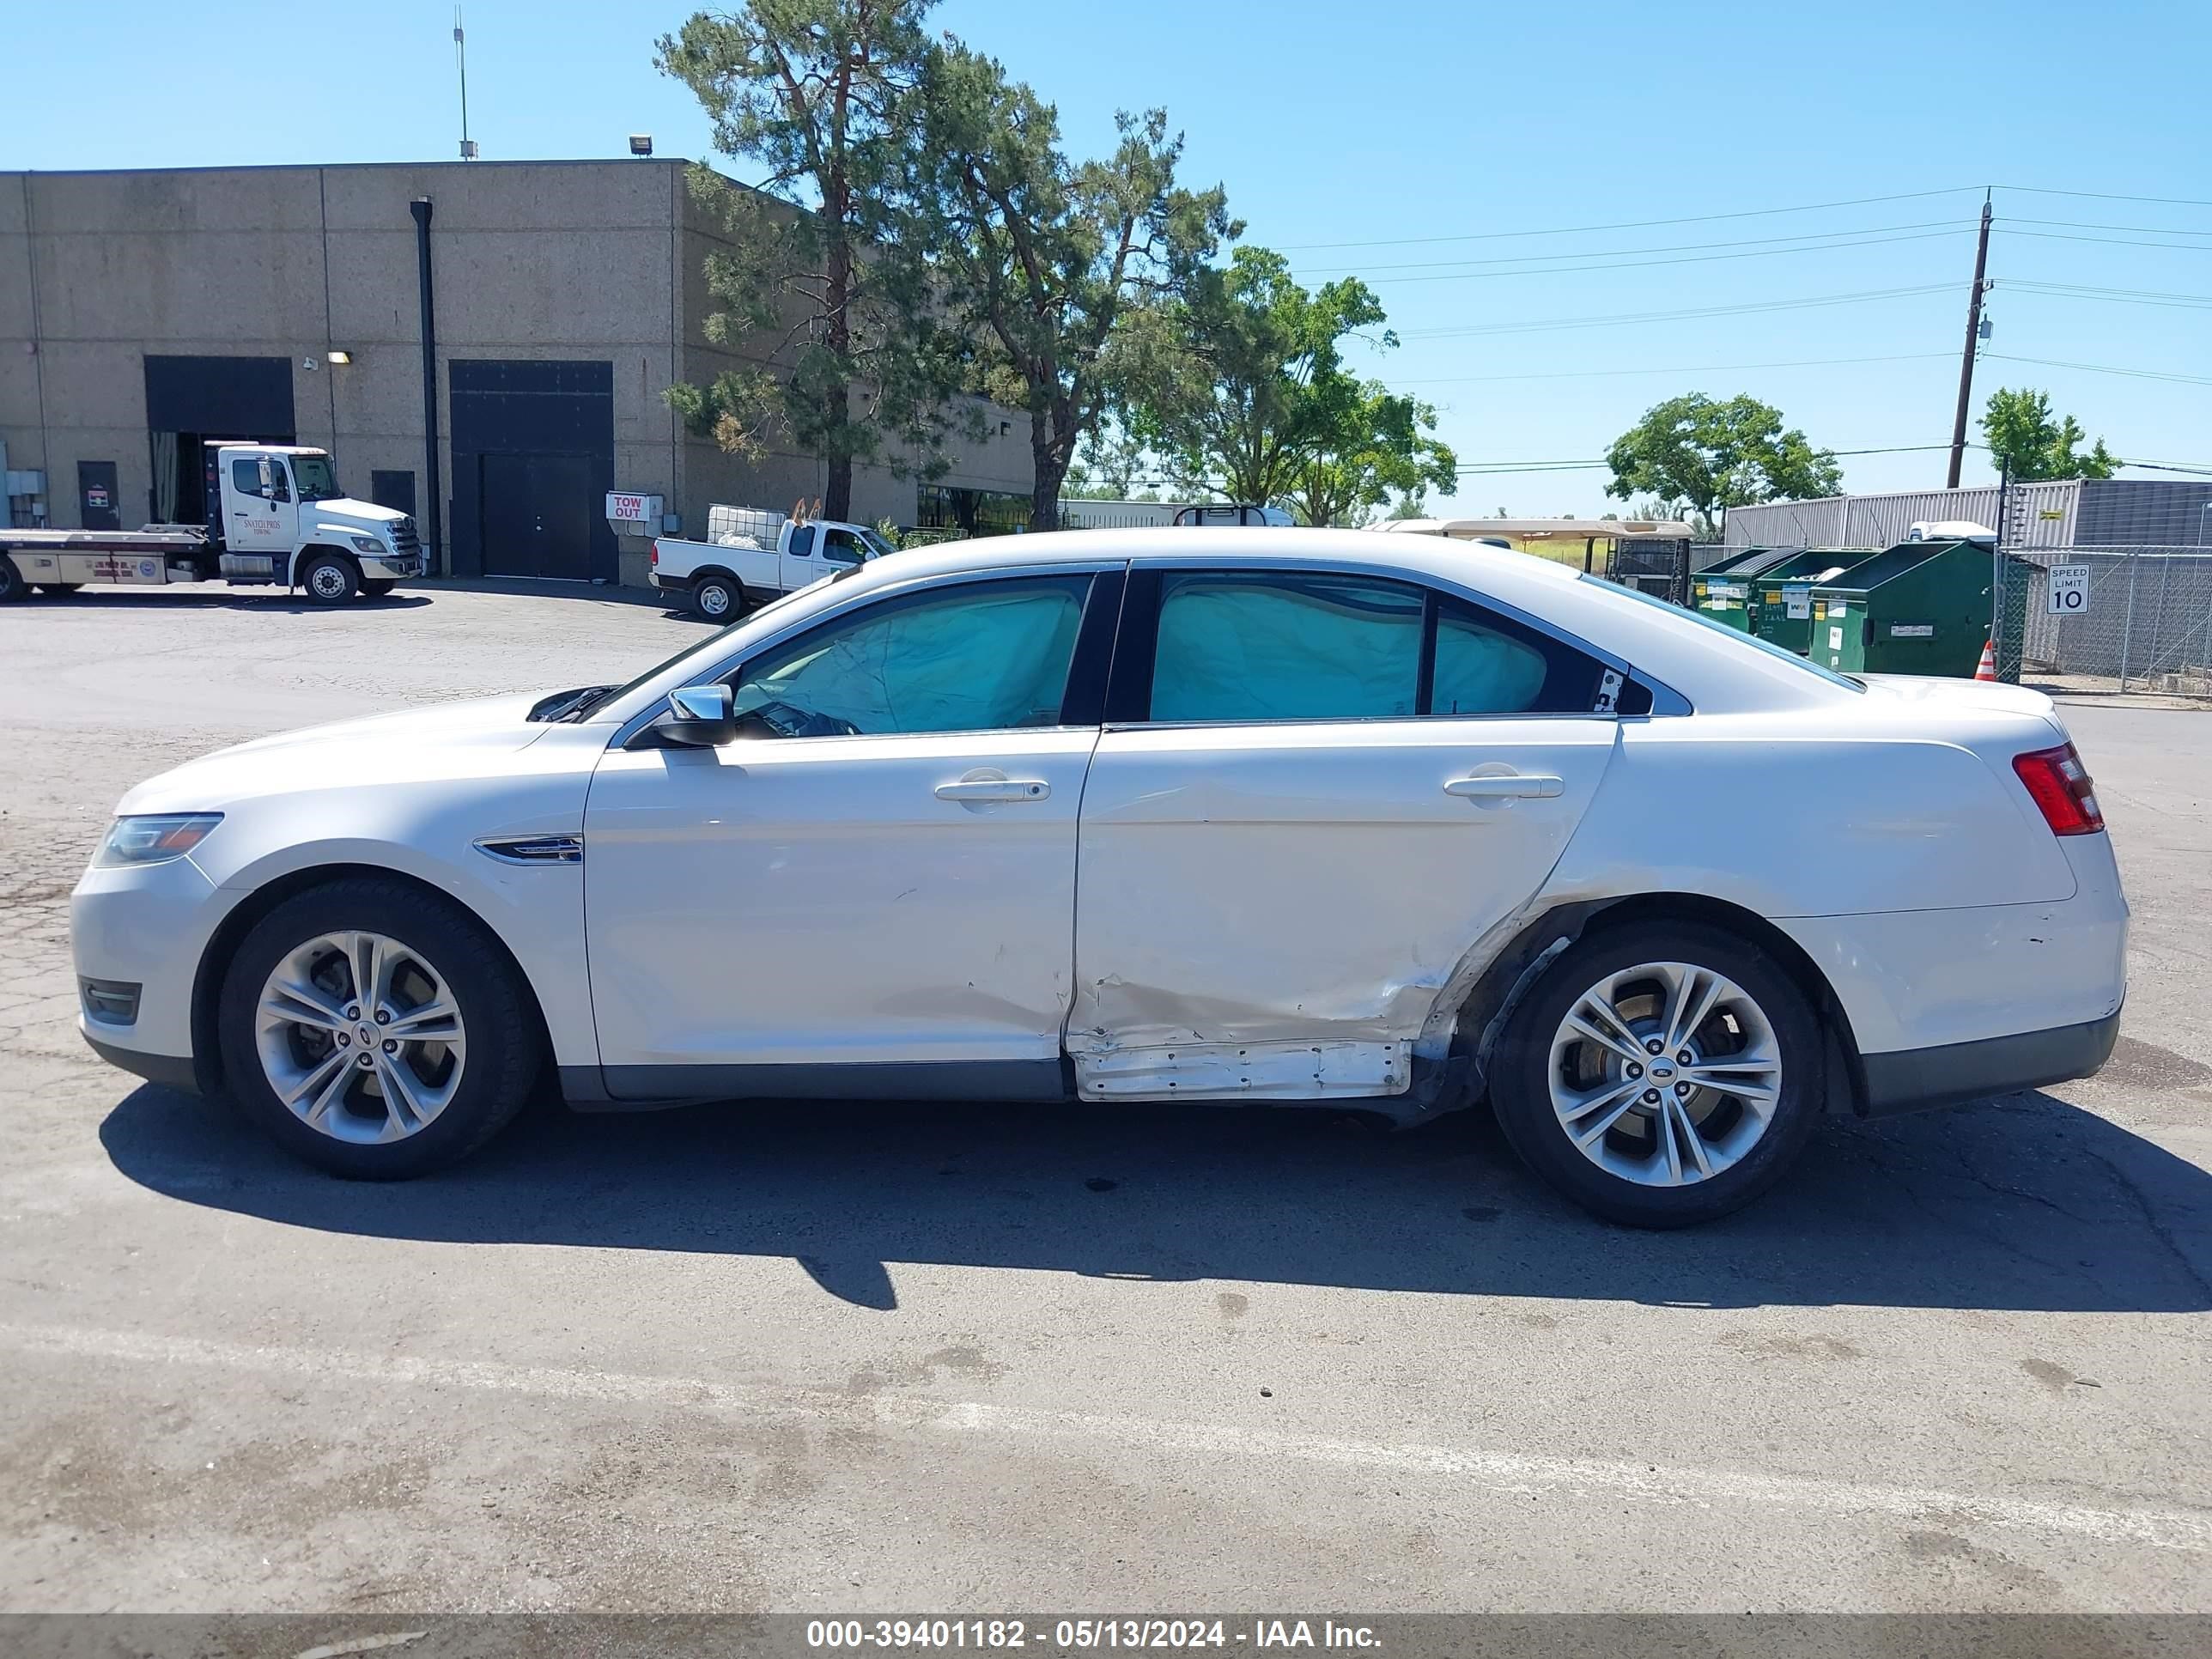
x=282 y=522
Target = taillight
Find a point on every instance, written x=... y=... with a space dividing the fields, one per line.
x=656 y=555
x=2061 y=787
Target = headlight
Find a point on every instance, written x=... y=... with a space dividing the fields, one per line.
x=153 y=838
x=370 y=545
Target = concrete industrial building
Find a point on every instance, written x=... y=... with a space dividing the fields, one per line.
x=143 y=315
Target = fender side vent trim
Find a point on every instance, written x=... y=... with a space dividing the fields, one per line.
x=533 y=849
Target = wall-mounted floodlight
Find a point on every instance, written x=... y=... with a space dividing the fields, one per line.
x=640 y=143
x=337 y=357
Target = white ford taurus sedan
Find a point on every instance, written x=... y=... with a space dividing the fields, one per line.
x=1305 y=817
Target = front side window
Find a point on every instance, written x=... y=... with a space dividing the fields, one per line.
x=842 y=547
x=981 y=657
x=1285 y=647
x=263 y=477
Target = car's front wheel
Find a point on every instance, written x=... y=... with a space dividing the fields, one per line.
x=1661 y=1074
x=330 y=579
x=375 y=1030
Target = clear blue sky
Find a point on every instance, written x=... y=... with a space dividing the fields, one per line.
x=1385 y=124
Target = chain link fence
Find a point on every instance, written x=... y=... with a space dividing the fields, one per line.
x=2128 y=619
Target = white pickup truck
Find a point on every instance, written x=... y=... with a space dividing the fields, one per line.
x=282 y=519
x=751 y=555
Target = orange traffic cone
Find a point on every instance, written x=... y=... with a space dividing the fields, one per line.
x=1987 y=670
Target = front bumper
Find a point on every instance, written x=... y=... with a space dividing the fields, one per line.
x=1914 y=1078
x=148 y=925
x=398 y=570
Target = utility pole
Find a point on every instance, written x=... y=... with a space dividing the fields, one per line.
x=461 y=56
x=1973 y=336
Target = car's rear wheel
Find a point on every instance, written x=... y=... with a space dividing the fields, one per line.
x=12 y=584
x=1661 y=1074
x=718 y=598
x=375 y=1030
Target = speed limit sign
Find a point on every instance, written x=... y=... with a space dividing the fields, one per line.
x=2069 y=589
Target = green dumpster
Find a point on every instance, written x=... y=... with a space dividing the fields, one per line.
x=1782 y=598
x=1917 y=608
x=1724 y=592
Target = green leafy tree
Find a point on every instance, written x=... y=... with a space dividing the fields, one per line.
x=1242 y=388
x=1048 y=259
x=2027 y=443
x=824 y=274
x=1383 y=445
x=1712 y=455
x=1409 y=507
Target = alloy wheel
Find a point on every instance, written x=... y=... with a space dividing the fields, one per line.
x=360 y=1037
x=1666 y=1073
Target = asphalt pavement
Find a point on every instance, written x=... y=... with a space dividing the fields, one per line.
x=903 y=1358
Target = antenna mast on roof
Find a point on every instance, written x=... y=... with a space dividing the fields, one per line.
x=461 y=56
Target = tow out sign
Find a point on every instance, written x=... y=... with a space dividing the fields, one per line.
x=2069 y=589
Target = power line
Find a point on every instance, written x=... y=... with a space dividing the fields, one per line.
x=2102 y=368
x=1627 y=318
x=1699 y=368
x=1482 y=468
x=2005 y=229
x=2106 y=195
x=2078 y=224
x=2123 y=295
x=1626 y=252
x=1629 y=224
x=1684 y=259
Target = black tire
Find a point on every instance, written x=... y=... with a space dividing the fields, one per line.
x=504 y=1037
x=718 y=598
x=378 y=587
x=58 y=589
x=1521 y=1083
x=12 y=584
x=330 y=579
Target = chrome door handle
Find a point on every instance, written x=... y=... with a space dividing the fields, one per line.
x=1506 y=786
x=994 y=789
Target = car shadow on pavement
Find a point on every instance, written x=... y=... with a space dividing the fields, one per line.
x=2026 y=1202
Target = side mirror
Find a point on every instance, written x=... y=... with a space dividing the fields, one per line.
x=699 y=717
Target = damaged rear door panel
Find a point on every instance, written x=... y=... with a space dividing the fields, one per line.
x=1271 y=910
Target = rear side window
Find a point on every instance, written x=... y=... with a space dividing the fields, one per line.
x=1487 y=663
x=1283 y=646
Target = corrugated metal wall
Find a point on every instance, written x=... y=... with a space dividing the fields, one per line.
x=2138 y=512
x=2045 y=518
x=2091 y=513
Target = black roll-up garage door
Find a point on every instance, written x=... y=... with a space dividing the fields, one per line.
x=246 y=397
x=533 y=459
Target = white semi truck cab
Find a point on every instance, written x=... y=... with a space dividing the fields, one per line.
x=278 y=516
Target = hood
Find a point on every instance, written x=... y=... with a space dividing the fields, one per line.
x=345 y=510
x=445 y=741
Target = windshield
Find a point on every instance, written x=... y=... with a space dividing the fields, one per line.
x=1722 y=629
x=878 y=546
x=707 y=649
x=312 y=477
